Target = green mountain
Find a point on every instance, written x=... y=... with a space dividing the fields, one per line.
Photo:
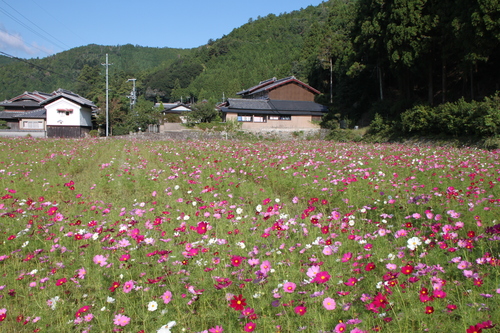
x=366 y=56
x=64 y=70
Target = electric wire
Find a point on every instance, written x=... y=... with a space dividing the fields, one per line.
x=31 y=29
x=40 y=67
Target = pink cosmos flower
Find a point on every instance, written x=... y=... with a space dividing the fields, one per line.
x=167 y=297
x=329 y=303
x=128 y=286
x=121 y=320
x=312 y=271
x=346 y=257
x=289 y=287
x=100 y=260
x=265 y=267
x=216 y=329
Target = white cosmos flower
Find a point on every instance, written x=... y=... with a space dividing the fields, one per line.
x=413 y=243
x=152 y=306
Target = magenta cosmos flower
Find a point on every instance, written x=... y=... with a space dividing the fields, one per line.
x=249 y=327
x=322 y=277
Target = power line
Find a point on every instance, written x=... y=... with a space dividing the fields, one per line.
x=31 y=29
x=40 y=67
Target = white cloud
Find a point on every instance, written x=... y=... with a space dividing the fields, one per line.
x=14 y=43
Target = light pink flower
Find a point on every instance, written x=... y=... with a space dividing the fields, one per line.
x=329 y=303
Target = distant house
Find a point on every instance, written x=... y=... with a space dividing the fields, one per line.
x=24 y=112
x=276 y=104
x=61 y=114
x=69 y=115
x=178 y=108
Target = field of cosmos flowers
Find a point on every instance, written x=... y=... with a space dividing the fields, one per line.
x=168 y=236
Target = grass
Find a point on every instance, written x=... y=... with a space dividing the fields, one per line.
x=96 y=232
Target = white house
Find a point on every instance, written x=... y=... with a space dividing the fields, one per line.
x=69 y=115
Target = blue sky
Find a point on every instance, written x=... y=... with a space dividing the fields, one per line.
x=39 y=28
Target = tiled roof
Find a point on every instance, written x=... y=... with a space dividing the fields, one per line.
x=68 y=95
x=258 y=106
x=274 y=83
x=35 y=114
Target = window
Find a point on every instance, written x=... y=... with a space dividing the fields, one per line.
x=65 y=111
x=32 y=124
x=259 y=119
x=244 y=118
x=280 y=117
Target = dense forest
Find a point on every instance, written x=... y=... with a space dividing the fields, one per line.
x=368 y=57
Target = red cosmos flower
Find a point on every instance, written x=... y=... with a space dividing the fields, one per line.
x=322 y=277
x=114 y=286
x=61 y=281
x=81 y=311
x=11 y=237
x=478 y=282
x=429 y=309
x=238 y=302
x=407 y=269
x=380 y=301
x=236 y=261
x=300 y=310
x=370 y=266
x=451 y=307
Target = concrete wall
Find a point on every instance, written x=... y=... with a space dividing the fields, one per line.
x=12 y=133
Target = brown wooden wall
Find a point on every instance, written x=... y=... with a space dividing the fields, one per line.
x=291 y=92
x=67 y=131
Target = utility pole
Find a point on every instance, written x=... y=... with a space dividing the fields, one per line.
x=331 y=80
x=107 y=94
x=133 y=96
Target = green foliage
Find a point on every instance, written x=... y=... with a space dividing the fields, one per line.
x=171 y=118
x=460 y=118
x=3 y=124
x=94 y=133
x=203 y=112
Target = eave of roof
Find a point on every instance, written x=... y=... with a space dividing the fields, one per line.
x=61 y=93
x=273 y=84
x=262 y=106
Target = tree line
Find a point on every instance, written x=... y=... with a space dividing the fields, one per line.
x=366 y=56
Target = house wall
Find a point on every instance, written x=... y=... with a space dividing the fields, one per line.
x=39 y=122
x=297 y=122
x=78 y=117
x=291 y=92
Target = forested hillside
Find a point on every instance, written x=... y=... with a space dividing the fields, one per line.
x=366 y=56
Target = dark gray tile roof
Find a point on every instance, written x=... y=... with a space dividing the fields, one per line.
x=35 y=114
x=68 y=95
x=273 y=83
x=261 y=106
